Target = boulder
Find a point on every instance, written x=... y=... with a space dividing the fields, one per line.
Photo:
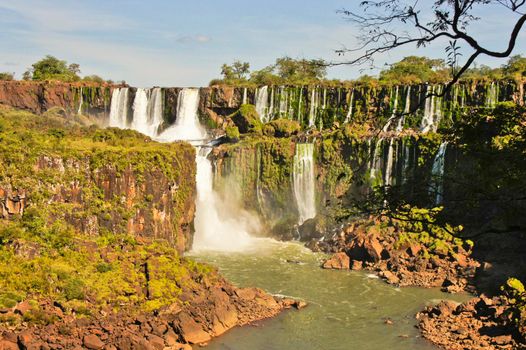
x=191 y=331
x=93 y=342
x=339 y=261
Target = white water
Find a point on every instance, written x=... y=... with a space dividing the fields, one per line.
x=437 y=173
x=376 y=160
x=140 y=120
x=313 y=108
x=393 y=113
x=187 y=126
x=389 y=166
x=349 y=113
x=432 y=111
x=492 y=98
x=262 y=103
x=303 y=181
x=245 y=96
x=407 y=109
x=214 y=229
x=119 y=108
x=79 y=111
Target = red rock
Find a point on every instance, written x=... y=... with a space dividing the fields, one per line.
x=92 y=342
x=171 y=338
x=156 y=342
x=191 y=331
x=339 y=261
x=23 y=308
x=7 y=345
x=246 y=293
x=356 y=265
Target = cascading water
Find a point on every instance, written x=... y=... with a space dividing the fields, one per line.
x=119 y=108
x=244 y=96
x=388 y=181
x=262 y=103
x=407 y=109
x=303 y=181
x=313 y=108
x=140 y=121
x=491 y=96
x=213 y=230
x=349 y=113
x=393 y=113
x=79 y=111
x=376 y=160
x=437 y=173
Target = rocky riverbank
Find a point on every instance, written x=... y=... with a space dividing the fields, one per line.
x=480 y=323
x=375 y=245
x=208 y=310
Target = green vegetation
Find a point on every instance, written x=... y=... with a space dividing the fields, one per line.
x=7 y=76
x=232 y=133
x=421 y=225
x=415 y=70
x=247 y=119
x=515 y=295
x=285 y=71
x=283 y=128
x=52 y=68
x=66 y=170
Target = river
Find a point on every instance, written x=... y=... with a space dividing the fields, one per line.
x=347 y=309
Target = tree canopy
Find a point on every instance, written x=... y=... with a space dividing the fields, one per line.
x=51 y=68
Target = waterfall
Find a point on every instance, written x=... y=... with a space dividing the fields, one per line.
x=155 y=109
x=492 y=96
x=187 y=126
x=303 y=181
x=432 y=111
x=393 y=113
x=244 y=96
x=349 y=113
x=313 y=107
x=437 y=173
x=389 y=165
x=214 y=230
x=283 y=102
x=140 y=120
x=407 y=109
x=79 y=111
x=262 y=103
x=119 y=108
x=376 y=161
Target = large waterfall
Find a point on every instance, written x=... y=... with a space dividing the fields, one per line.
x=303 y=181
x=214 y=230
x=119 y=108
x=147 y=109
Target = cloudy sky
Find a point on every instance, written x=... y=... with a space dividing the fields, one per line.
x=183 y=43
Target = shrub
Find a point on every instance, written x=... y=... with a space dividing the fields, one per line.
x=7 y=76
x=515 y=294
x=285 y=127
x=247 y=119
x=232 y=133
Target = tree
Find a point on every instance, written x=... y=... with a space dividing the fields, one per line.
x=390 y=24
x=51 y=68
x=415 y=70
x=515 y=68
x=236 y=71
x=300 y=71
x=7 y=76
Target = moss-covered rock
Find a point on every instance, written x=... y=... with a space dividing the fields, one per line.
x=247 y=119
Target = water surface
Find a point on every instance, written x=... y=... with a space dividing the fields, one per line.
x=347 y=309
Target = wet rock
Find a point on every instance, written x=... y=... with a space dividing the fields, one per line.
x=191 y=331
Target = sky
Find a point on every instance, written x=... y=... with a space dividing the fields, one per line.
x=184 y=43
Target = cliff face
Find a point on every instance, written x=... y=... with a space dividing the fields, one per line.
x=311 y=106
x=102 y=182
x=91 y=99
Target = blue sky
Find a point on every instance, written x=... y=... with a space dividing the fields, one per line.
x=184 y=43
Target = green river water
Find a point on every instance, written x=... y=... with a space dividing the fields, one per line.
x=347 y=309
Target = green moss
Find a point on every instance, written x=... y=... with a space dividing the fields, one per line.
x=247 y=119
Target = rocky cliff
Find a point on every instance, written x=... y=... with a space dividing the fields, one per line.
x=100 y=181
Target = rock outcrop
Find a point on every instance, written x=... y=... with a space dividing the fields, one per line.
x=206 y=311
x=361 y=245
x=480 y=323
